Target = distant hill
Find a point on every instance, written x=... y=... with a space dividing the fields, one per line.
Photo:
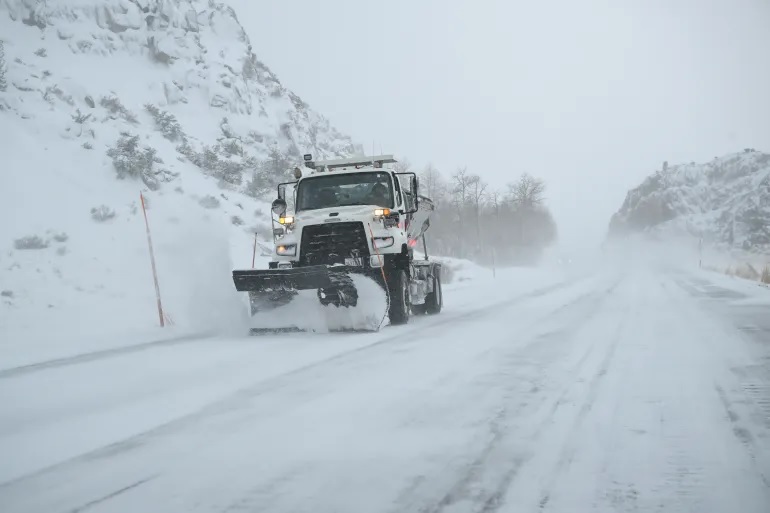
x=725 y=201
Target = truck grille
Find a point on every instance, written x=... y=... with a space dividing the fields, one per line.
x=331 y=243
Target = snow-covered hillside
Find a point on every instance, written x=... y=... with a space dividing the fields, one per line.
x=726 y=202
x=105 y=98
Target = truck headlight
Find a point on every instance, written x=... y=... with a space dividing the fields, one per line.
x=286 y=249
x=383 y=242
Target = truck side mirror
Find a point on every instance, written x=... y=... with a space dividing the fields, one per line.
x=279 y=207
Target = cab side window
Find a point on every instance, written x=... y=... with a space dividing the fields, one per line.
x=397 y=183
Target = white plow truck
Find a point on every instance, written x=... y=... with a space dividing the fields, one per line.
x=350 y=216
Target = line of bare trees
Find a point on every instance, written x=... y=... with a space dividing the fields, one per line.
x=511 y=226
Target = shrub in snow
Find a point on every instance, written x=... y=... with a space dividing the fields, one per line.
x=88 y=146
x=237 y=221
x=131 y=160
x=166 y=123
x=212 y=161
x=224 y=127
x=80 y=118
x=41 y=52
x=3 y=68
x=230 y=172
x=55 y=91
x=117 y=109
x=30 y=242
x=6 y=293
x=233 y=148
x=61 y=237
x=266 y=175
x=102 y=213
x=209 y=202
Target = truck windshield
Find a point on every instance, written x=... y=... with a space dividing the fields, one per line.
x=363 y=188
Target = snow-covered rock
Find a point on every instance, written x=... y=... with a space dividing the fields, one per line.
x=188 y=56
x=106 y=98
x=725 y=202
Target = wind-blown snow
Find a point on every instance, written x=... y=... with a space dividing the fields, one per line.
x=306 y=313
x=89 y=279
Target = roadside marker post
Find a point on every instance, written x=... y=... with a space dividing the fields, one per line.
x=161 y=317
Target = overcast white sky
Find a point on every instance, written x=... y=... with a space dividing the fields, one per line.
x=590 y=95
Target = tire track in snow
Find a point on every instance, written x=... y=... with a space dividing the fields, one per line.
x=182 y=339
x=239 y=399
x=743 y=434
x=752 y=384
x=482 y=486
x=96 y=502
x=496 y=425
x=569 y=448
x=690 y=473
x=99 y=355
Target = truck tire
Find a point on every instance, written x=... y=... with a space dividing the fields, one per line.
x=398 y=288
x=435 y=300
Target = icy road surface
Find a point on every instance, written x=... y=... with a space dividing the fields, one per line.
x=633 y=392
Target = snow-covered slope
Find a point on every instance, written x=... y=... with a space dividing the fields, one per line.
x=168 y=96
x=726 y=202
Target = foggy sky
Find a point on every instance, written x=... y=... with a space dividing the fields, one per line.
x=592 y=96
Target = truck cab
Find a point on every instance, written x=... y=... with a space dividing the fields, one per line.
x=353 y=212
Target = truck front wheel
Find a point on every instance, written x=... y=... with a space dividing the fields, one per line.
x=398 y=288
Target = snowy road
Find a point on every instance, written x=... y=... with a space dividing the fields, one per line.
x=643 y=391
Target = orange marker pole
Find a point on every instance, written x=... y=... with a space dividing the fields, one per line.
x=254 y=252
x=152 y=260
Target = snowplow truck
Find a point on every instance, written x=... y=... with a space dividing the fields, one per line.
x=349 y=216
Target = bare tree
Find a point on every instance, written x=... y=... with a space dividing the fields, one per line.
x=527 y=192
x=431 y=182
x=402 y=166
x=461 y=183
x=512 y=226
x=477 y=188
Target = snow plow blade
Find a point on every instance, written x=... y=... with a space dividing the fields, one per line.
x=294 y=278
